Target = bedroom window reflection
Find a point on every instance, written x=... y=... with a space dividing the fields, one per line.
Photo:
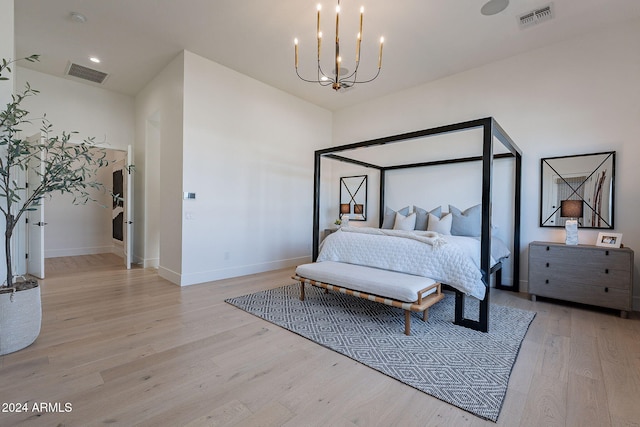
x=587 y=177
x=353 y=197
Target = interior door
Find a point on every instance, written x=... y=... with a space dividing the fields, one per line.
x=35 y=218
x=128 y=208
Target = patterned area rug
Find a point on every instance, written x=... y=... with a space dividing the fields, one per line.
x=465 y=368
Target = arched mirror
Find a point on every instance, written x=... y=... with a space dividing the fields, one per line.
x=588 y=178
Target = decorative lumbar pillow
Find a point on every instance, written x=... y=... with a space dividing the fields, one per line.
x=422 y=216
x=404 y=222
x=390 y=216
x=467 y=223
x=440 y=225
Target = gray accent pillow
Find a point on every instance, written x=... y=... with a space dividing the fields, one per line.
x=422 y=216
x=467 y=223
x=390 y=216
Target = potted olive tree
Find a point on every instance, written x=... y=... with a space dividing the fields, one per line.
x=61 y=166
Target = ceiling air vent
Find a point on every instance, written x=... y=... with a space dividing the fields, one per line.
x=86 y=73
x=536 y=16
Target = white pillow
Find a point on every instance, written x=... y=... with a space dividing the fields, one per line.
x=390 y=216
x=405 y=222
x=440 y=225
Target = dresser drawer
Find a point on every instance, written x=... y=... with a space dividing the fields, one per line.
x=601 y=296
x=588 y=274
x=581 y=256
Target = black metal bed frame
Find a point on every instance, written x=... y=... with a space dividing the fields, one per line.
x=491 y=130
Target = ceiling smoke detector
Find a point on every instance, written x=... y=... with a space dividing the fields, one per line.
x=536 y=16
x=86 y=73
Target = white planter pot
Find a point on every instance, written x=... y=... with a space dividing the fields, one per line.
x=20 y=319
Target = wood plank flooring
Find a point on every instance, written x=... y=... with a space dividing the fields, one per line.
x=126 y=348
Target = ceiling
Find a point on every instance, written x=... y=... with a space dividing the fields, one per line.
x=424 y=39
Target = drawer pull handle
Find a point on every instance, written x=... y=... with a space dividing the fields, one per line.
x=547 y=247
x=606 y=289
x=606 y=253
x=547 y=264
x=546 y=281
x=606 y=271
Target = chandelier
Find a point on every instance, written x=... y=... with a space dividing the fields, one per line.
x=339 y=78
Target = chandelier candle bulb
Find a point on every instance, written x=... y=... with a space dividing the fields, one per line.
x=359 y=40
x=318 y=32
x=295 y=42
x=380 y=55
x=337 y=23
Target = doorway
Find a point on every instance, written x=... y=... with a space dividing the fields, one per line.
x=88 y=229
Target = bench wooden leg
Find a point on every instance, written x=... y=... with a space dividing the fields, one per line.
x=407 y=322
x=425 y=315
x=301 y=290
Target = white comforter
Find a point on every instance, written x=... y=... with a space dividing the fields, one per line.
x=454 y=260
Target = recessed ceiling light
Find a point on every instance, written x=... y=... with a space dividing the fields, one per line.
x=94 y=59
x=78 y=17
x=493 y=7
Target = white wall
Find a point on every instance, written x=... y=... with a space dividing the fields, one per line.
x=248 y=156
x=575 y=97
x=6 y=86
x=73 y=106
x=7 y=50
x=158 y=175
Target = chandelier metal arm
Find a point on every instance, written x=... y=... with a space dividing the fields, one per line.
x=362 y=81
x=319 y=81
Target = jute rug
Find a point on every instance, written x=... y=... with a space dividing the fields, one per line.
x=466 y=368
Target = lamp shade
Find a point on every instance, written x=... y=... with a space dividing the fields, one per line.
x=345 y=208
x=571 y=208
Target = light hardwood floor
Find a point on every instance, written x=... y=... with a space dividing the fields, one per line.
x=128 y=348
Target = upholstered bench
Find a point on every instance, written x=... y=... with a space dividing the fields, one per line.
x=405 y=291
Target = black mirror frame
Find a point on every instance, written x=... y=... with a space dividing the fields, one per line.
x=608 y=154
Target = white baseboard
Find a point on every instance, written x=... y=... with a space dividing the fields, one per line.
x=169 y=275
x=226 y=273
x=524 y=286
x=148 y=263
x=54 y=253
x=118 y=250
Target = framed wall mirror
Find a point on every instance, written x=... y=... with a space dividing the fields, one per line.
x=353 y=197
x=589 y=178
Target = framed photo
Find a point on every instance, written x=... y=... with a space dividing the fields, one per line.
x=609 y=240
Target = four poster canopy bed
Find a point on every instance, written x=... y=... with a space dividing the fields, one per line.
x=406 y=269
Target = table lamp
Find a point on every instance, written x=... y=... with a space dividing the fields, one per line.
x=345 y=210
x=571 y=209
